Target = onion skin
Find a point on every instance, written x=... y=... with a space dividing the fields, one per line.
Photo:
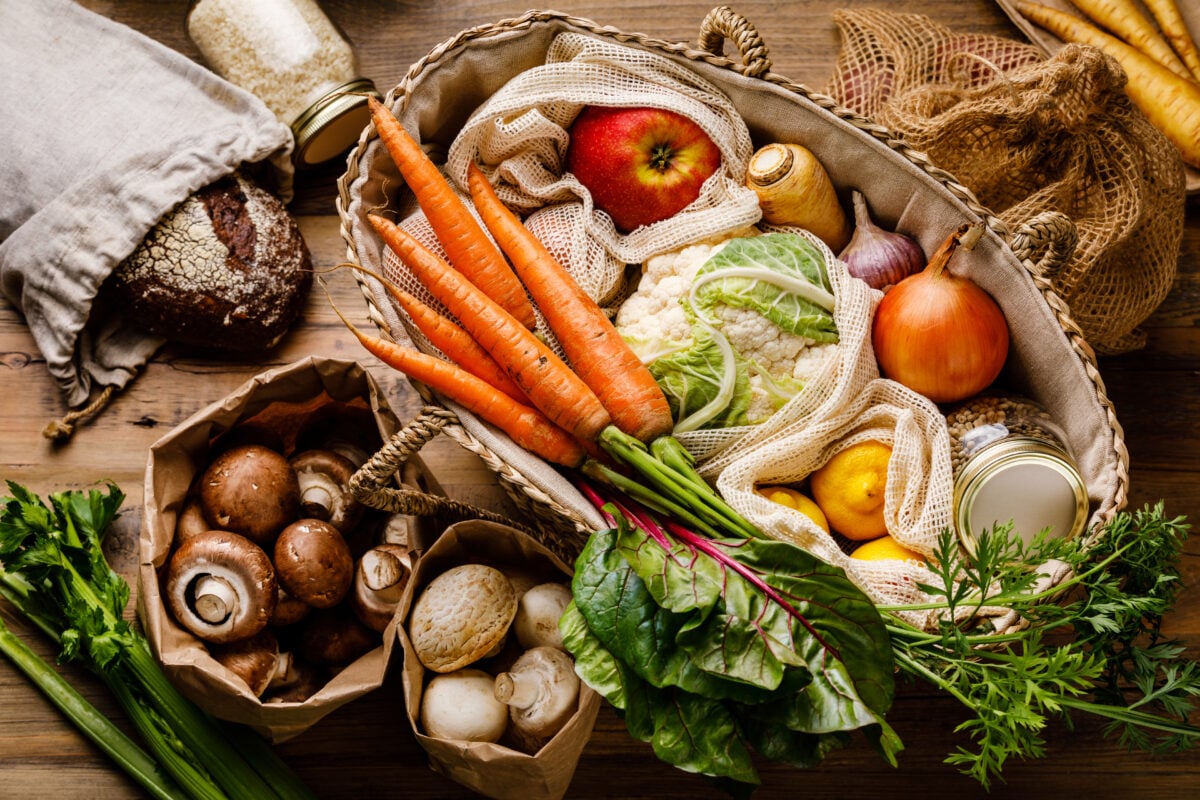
x=939 y=334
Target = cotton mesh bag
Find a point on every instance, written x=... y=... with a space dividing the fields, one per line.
x=917 y=501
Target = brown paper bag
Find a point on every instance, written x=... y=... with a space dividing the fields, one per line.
x=494 y=770
x=286 y=399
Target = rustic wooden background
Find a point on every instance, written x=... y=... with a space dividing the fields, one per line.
x=365 y=749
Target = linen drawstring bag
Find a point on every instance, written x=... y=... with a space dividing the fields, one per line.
x=105 y=132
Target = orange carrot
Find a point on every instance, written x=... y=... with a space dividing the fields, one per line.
x=467 y=246
x=548 y=382
x=526 y=426
x=1126 y=20
x=446 y=335
x=1171 y=103
x=1174 y=27
x=594 y=349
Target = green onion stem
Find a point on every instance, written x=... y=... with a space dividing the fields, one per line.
x=88 y=720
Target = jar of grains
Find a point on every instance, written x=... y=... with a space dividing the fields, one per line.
x=1011 y=462
x=289 y=54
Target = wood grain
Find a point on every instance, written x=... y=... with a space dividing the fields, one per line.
x=365 y=749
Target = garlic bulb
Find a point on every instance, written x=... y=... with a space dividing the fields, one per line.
x=880 y=257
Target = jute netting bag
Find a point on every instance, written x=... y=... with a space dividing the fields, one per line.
x=1030 y=134
x=462 y=101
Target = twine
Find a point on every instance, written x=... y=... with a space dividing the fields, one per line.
x=61 y=429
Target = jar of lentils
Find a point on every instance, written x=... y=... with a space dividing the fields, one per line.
x=1011 y=463
x=292 y=56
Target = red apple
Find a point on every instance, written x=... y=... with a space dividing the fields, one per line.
x=640 y=164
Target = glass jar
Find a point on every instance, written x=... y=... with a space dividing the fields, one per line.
x=289 y=54
x=1011 y=462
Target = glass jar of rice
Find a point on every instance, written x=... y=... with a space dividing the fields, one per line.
x=292 y=56
x=1011 y=462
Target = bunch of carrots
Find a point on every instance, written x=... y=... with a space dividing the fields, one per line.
x=1159 y=57
x=499 y=369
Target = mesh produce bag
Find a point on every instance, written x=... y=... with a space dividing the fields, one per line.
x=1027 y=135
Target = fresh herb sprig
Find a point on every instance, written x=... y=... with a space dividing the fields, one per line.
x=1089 y=643
x=53 y=570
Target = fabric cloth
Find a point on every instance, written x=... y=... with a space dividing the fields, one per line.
x=105 y=131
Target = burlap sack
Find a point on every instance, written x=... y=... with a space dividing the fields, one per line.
x=285 y=398
x=1029 y=134
x=494 y=770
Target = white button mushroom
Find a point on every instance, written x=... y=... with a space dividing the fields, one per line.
x=542 y=693
x=221 y=586
x=461 y=705
x=538 y=613
x=460 y=616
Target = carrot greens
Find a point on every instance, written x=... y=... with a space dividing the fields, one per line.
x=1095 y=634
x=53 y=570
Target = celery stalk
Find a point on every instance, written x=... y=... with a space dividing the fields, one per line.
x=90 y=722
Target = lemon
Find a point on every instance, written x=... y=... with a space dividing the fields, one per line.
x=791 y=498
x=849 y=489
x=885 y=548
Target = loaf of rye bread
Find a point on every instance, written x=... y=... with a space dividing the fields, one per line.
x=227 y=269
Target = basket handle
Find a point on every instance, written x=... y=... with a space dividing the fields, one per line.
x=1047 y=242
x=724 y=23
x=370 y=484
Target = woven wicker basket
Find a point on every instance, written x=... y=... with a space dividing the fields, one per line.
x=1050 y=360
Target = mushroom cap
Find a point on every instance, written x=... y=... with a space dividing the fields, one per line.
x=190 y=521
x=460 y=616
x=313 y=563
x=253 y=659
x=333 y=637
x=538 y=613
x=241 y=564
x=325 y=494
x=461 y=705
x=288 y=610
x=250 y=490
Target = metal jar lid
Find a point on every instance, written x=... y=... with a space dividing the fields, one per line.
x=1023 y=479
x=328 y=127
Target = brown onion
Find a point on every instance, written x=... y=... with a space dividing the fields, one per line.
x=940 y=334
x=879 y=257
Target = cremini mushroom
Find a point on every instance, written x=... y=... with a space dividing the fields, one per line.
x=256 y=660
x=221 y=586
x=302 y=682
x=538 y=613
x=325 y=494
x=460 y=616
x=333 y=638
x=462 y=705
x=541 y=691
x=313 y=563
x=379 y=583
x=250 y=490
x=191 y=520
x=288 y=610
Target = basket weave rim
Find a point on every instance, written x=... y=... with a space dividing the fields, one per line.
x=1029 y=238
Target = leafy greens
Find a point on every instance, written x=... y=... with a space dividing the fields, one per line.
x=713 y=648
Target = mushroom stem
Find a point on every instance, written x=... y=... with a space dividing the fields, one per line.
x=382 y=569
x=316 y=500
x=519 y=689
x=215 y=599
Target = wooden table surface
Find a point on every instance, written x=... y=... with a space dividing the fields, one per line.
x=365 y=749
